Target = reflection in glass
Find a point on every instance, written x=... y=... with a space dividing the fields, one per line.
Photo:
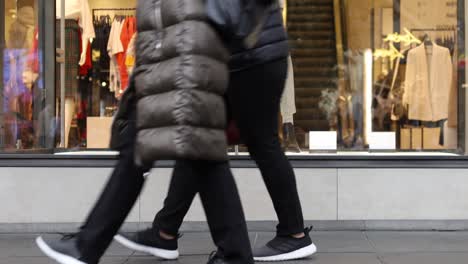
x=22 y=85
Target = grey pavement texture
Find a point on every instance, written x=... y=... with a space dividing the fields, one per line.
x=334 y=247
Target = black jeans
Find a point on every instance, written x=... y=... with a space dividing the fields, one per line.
x=212 y=180
x=254 y=98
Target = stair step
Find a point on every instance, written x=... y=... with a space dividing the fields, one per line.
x=309 y=10
x=313 y=52
x=304 y=102
x=314 y=82
x=314 y=62
x=313 y=125
x=311 y=34
x=307 y=17
x=308 y=92
x=319 y=43
x=308 y=26
x=309 y=114
x=300 y=72
x=311 y=2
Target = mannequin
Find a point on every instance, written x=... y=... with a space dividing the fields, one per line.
x=288 y=103
x=78 y=20
x=288 y=109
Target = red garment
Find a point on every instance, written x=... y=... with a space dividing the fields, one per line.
x=33 y=57
x=128 y=29
x=88 y=65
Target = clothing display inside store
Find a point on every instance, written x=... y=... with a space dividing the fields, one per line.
x=97 y=42
x=413 y=98
x=367 y=76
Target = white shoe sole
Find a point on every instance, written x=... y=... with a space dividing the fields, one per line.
x=55 y=255
x=157 y=252
x=298 y=254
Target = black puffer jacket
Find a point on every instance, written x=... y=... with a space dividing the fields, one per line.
x=272 y=44
x=180 y=77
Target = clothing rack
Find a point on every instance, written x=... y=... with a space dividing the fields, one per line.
x=111 y=9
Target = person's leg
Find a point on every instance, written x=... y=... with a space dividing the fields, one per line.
x=112 y=208
x=104 y=220
x=255 y=96
x=161 y=239
x=223 y=208
x=182 y=191
x=110 y=211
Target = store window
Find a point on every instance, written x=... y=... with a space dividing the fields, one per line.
x=365 y=76
x=379 y=75
x=98 y=38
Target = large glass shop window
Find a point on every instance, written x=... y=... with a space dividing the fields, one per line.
x=97 y=40
x=364 y=77
x=375 y=76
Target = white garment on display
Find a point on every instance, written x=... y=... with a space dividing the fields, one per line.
x=428 y=82
x=130 y=55
x=288 y=100
x=114 y=46
x=79 y=10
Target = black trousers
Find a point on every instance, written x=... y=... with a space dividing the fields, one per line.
x=254 y=99
x=212 y=180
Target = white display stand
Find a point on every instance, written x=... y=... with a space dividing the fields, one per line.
x=382 y=140
x=323 y=140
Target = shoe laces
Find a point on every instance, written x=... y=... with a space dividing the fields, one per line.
x=68 y=236
x=213 y=257
x=307 y=230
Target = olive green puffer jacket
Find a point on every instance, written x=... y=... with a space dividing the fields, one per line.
x=181 y=76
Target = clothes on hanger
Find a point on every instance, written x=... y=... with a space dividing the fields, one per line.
x=79 y=11
x=127 y=32
x=100 y=56
x=114 y=47
x=428 y=82
x=131 y=55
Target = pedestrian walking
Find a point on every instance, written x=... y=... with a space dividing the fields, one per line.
x=177 y=111
x=257 y=80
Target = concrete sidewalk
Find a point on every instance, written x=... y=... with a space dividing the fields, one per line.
x=347 y=247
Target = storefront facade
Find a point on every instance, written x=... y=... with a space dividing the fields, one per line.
x=374 y=114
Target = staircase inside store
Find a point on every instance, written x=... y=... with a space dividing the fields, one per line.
x=311 y=30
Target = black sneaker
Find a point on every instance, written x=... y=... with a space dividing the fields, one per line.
x=149 y=241
x=283 y=248
x=216 y=259
x=64 y=251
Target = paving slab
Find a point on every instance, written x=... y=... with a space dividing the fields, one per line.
x=419 y=241
x=347 y=247
x=24 y=245
x=425 y=258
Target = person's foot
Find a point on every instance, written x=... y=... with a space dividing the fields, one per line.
x=216 y=259
x=150 y=241
x=64 y=251
x=283 y=248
